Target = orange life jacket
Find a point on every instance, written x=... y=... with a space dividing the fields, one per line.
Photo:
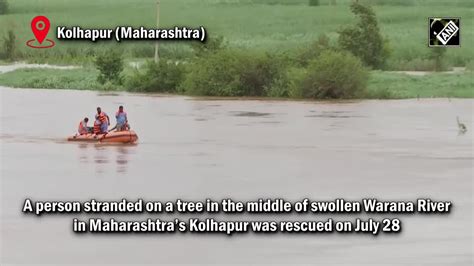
x=81 y=128
x=97 y=127
x=102 y=117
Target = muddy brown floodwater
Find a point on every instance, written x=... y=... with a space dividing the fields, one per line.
x=196 y=149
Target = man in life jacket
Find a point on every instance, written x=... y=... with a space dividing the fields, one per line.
x=122 y=120
x=83 y=129
x=104 y=120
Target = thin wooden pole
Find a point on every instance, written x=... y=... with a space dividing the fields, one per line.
x=157 y=54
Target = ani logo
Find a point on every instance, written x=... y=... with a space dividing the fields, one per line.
x=444 y=32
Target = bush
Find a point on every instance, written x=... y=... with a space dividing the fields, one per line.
x=210 y=45
x=109 y=86
x=110 y=65
x=232 y=73
x=364 y=39
x=157 y=77
x=313 y=3
x=142 y=51
x=289 y=84
x=9 y=46
x=3 y=7
x=334 y=75
x=308 y=54
x=258 y=73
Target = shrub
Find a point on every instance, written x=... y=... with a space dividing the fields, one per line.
x=308 y=54
x=3 y=7
x=288 y=84
x=9 y=46
x=110 y=65
x=210 y=45
x=334 y=75
x=109 y=86
x=142 y=51
x=378 y=93
x=232 y=73
x=364 y=39
x=313 y=3
x=157 y=77
x=258 y=73
x=278 y=88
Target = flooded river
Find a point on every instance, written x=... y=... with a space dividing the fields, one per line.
x=195 y=149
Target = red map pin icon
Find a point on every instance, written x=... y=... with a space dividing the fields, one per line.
x=40 y=27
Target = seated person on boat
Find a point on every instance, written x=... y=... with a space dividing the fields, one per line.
x=83 y=129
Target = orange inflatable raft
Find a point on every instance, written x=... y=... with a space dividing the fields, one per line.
x=128 y=136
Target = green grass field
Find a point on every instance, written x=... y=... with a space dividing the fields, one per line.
x=270 y=25
x=385 y=85
x=77 y=79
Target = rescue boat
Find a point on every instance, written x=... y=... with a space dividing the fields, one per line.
x=127 y=136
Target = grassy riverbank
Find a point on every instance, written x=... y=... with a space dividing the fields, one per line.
x=271 y=48
x=265 y=25
x=382 y=85
x=78 y=79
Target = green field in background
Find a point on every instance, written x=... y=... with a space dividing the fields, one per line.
x=270 y=25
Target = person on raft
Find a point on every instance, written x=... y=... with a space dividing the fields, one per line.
x=122 y=120
x=102 y=122
x=83 y=129
x=97 y=125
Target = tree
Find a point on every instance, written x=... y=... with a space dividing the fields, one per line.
x=364 y=39
x=3 y=7
x=110 y=66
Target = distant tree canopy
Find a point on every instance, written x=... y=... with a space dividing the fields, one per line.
x=364 y=39
x=110 y=65
x=3 y=7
